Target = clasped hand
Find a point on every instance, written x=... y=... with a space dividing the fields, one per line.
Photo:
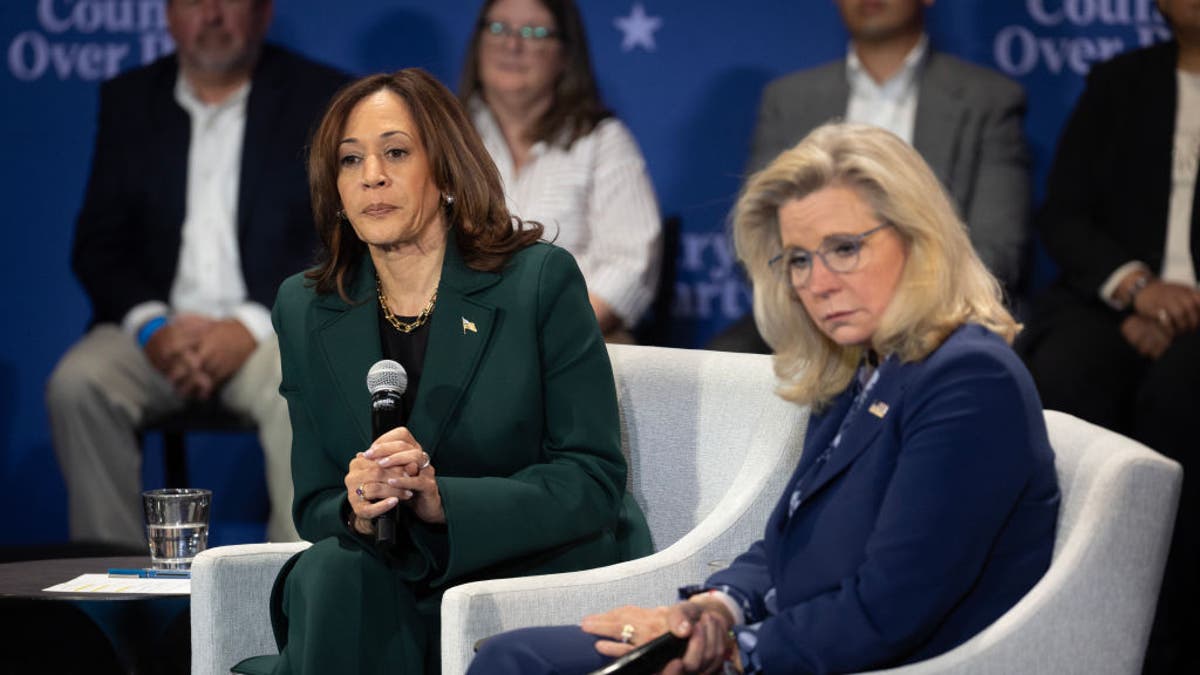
x=705 y=623
x=1163 y=310
x=1175 y=306
x=198 y=354
x=393 y=470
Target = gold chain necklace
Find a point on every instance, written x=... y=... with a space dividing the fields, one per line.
x=403 y=326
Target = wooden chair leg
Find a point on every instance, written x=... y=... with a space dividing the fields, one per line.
x=175 y=459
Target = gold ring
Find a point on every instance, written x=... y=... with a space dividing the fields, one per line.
x=426 y=460
x=359 y=491
x=627 y=633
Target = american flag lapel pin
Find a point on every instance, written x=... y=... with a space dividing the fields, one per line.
x=468 y=326
x=878 y=409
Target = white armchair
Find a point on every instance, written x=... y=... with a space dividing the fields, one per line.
x=1091 y=612
x=230 y=612
x=709 y=447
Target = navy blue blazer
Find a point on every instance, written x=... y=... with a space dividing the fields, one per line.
x=128 y=233
x=932 y=517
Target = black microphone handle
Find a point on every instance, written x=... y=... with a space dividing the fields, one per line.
x=386 y=414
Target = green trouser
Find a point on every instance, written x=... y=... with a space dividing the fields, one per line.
x=345 y=611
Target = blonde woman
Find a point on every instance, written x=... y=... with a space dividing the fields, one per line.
x=925 y=502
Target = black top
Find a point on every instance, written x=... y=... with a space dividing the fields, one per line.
x=407 y=349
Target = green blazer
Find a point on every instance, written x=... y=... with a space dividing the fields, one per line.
x=516 y=407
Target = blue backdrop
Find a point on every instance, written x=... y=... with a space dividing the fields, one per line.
x=685 y=75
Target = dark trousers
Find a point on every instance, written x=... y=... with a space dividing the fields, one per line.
x=344 y=610
x=547 y=650
x=1084 y=366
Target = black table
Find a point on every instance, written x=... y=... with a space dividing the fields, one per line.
x=140 y=633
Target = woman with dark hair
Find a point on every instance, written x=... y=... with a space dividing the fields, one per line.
x=510 y=460
x=565 y=160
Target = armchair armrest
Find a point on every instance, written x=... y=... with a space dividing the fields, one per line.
x=480 y=609
x=231 y=588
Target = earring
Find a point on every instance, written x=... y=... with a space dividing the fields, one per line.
x=448 y=198
x=341 y=214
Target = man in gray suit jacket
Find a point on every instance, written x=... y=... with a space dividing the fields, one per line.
x=966 y=121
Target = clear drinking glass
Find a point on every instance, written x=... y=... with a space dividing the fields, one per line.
x=176 y=525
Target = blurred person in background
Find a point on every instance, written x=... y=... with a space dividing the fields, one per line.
x=1115 y=340
x=967 y=122
x=565 y=159
x=196 y=209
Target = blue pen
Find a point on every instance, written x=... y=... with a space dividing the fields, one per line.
x=147 y=573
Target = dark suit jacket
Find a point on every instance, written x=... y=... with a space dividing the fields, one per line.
x=1110 y=185
x=969 y=128
x=128 y=234
x=518 y=415
x=927 y=523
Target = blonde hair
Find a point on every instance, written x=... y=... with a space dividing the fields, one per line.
x=943 y=285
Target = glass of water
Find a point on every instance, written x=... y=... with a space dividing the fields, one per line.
x=176 y=525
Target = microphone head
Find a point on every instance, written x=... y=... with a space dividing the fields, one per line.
x=387 y=375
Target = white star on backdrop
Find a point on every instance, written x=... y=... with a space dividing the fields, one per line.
x=638 y=29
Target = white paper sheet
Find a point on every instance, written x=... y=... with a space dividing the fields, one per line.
x=102 y=583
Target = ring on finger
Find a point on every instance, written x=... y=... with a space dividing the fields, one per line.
x=426 y=460
x=1163 y=317
x=627 y=633
x=359 y=491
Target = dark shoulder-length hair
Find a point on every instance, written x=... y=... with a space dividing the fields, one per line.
x=576 y=108
x=461 y=168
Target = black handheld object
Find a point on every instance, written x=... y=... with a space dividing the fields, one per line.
x=648 y=658
x=386 y=381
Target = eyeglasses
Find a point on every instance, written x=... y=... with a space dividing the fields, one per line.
x=533 y=34
x=839 y=252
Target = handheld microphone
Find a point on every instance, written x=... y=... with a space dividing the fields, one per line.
x=386 y=380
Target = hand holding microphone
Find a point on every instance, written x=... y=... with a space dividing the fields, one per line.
x=386 y=380
x=396 y=469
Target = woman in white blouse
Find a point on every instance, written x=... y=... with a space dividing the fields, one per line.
x=565 y=160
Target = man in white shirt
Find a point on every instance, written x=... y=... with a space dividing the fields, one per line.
x=966 y=121
x=196 y=208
